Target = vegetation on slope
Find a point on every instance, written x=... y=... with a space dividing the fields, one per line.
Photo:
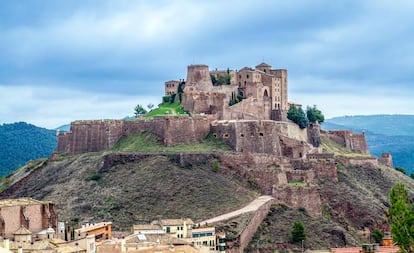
x=148 y=142
x=22 y=142
x=133 y=192
x=166 y=109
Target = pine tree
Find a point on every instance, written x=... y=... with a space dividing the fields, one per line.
x=298 y=232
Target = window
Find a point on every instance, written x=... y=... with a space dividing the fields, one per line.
x=247 y=76
x=168 y=230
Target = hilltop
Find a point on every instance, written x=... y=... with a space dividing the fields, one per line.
x=134 y=184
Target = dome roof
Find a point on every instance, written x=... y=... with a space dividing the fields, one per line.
x=50 y=230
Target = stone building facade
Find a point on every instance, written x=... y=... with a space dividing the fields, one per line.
x=32 y=214
x=263 y=92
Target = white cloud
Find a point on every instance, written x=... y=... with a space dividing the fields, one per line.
x=52 y=108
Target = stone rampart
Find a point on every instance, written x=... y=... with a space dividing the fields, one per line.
x=307 y=197
x=263 y=136
x=240 y=243
x=323 y=169
x=349 y=140
x=364 y=162
x=386 y=159
x=98 y=135
x=183 y=160
x=306 y=176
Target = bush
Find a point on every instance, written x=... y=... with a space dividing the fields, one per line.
x=95 y=177
x=216 y=166
x=298 y=232
x=377 y=235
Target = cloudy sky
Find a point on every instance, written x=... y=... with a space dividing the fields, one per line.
x=67 y=60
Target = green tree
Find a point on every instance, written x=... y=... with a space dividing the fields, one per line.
x=314 y=115
x=139 y=110
x=401 y=218
x=377 y=235
x=298 y=232
x=298 y=116
x=293 y=113
x=412 y=175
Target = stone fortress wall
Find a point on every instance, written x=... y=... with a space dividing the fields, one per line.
x=99 y=135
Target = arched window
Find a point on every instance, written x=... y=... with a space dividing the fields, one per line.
x=265 y=94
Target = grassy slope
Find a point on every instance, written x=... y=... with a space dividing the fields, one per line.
x=135 y=192
x=147 y=142
x=166 y=109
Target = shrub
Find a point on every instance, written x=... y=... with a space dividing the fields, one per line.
x=95 y=177
x=298 y=232
x=377 y=235
x=216 y=166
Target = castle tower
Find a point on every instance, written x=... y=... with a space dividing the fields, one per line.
x=264 y=67
x=198 y=78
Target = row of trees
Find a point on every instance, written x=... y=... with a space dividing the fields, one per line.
x=302 y=119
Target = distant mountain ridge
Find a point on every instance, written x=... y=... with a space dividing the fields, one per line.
x=385 y=134
x=21 y=142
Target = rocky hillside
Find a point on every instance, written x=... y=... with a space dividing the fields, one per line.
x=128 y=185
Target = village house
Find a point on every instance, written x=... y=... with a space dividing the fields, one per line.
x=33 y=215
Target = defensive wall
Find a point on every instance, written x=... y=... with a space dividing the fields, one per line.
x=238 y=244
x=263 y=136
x=386 y=159
x=307 y=197
x=98 y=135
x=365 y=162
x=349 y=139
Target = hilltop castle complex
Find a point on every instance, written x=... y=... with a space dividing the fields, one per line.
x=246 y=109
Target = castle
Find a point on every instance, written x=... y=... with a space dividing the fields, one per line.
x=246 y=109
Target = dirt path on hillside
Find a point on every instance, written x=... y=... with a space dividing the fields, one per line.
x=251 y=207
